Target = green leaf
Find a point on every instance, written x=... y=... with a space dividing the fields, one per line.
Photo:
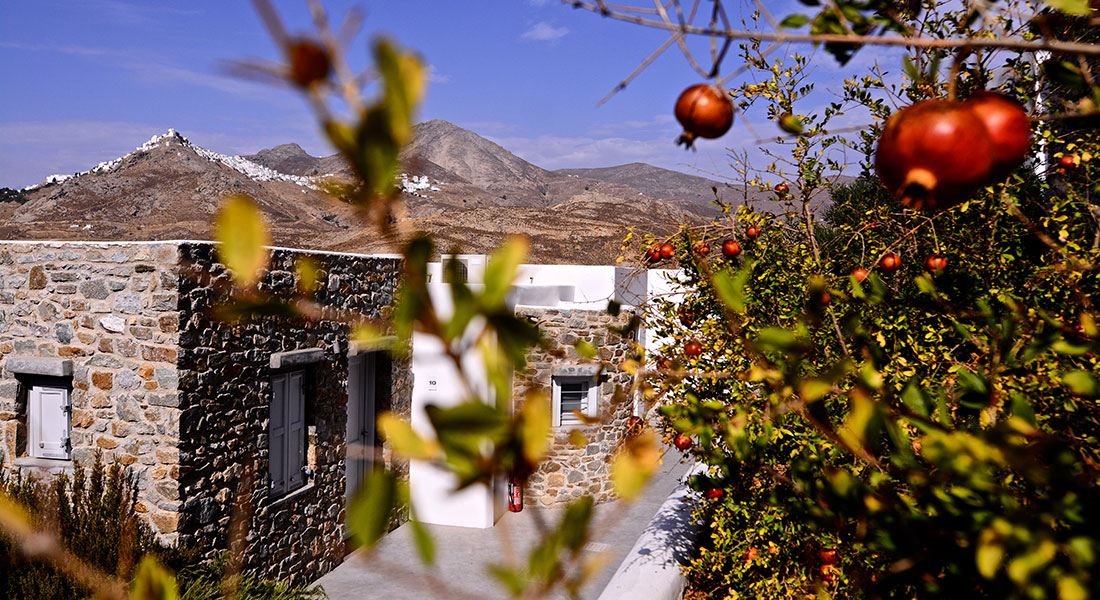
x=990 y=555
x=400 y=435
x=574 y=524
x=794 y=21
x=425 y=546
x=511 y=579
x=730 y=288
x=413 y=303
x=1071 y=588
x=153 y=582
x=1079 y=8
x=776 y=338
x=369 y=514
x=791 y=124
x=1082 y=383
x=1064 y=73
x=239 y=228
x=812 y=390
x=405 y=83
x=500 y=273
x=585 y=350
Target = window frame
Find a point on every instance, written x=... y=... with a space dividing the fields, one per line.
x=591 y=409
x=290 y=480
x=35 y=386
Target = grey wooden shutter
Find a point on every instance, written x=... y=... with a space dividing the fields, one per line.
x=276 y=436
x=295 y=431
x=49 y=422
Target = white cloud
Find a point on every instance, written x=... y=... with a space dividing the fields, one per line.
x=435 y=76
x=543 y=31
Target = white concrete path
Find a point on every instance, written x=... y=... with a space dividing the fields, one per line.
x=394 y=571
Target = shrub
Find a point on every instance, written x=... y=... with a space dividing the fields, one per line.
x=93 y=513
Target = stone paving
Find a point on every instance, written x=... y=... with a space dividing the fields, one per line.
x=395 y=572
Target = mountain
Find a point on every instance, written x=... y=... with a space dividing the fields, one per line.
x=481 y=162
x=291 y=159
x=692 y=192
x=464 y=189
x=169 y=188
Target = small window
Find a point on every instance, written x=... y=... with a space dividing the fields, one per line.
x=48 y=420
x=462 y=271
x=287 y=433
x=574 y=395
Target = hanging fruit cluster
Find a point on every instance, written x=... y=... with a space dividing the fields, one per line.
x=936 y=153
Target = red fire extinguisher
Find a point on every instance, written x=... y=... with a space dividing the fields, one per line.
x=515 y=495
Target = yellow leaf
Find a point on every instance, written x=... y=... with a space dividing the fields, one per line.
x=406 y=442
x=635 y=464
x=535 y=427
x=308 y=272
x=152 y=582
x=240 y=229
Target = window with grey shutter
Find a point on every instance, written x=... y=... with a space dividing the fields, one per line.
x=276 y=436
x=572 y=395
x=287 y=433
x=295 y=432
x=48 y=421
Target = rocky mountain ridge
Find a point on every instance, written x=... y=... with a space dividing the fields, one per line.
x=466 y=190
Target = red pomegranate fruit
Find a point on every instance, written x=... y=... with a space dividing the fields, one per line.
x=860 y=274
x=702 y=248
x=752 y=232
x=890 y=263
x=782 y=189
x=934 y=154
x=687 y=316
x=935 y=263
x=667 y=250
x=309 y=63
x=682 y=441
x=704 y=111
x=693 y=348
x=1008 y=127
x=1068 y=162
x=714 y=494
x=653 y=253
x=730 y=248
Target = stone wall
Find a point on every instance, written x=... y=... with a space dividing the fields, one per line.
x=111 y=310
x=571 y=471
x=225 y=393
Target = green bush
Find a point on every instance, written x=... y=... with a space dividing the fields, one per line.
x=93 y=513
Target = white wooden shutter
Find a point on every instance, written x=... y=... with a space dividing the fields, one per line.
x=49 y=422
x=276 y=436
x=295 y=431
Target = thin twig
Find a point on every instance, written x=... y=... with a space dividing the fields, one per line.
x=855 y=40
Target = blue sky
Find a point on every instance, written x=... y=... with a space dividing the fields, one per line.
x=88 y=80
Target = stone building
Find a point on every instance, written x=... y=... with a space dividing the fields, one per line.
x=570 y=470
x=114 y=348
x=568 y=303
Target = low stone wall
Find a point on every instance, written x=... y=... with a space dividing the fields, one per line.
x=111 y=310
x=571 y=471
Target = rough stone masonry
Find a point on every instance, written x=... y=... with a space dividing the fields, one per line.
x=182 y=398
